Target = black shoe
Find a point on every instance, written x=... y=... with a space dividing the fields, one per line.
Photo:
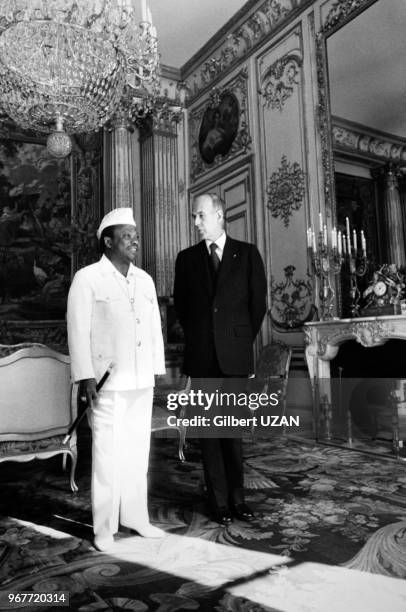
x=243 y=512
x=223 y=516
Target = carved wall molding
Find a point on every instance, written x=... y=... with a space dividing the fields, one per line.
x=362 y=141
x=292 y=301
x=286 y=190
x=279 y=80
x=341 y=10
x=240 y=43
x=238 y=86
x=165 y=119
x=322 y=117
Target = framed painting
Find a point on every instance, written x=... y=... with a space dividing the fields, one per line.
x=219 y=128
x=49 y=209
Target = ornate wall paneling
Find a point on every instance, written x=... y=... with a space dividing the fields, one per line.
x=219 y=128
x=236 y=191
x=238 y=44
x=49 y=213
x=251 y=27
x=285 y=188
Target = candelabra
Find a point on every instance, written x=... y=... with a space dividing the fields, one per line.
x=326 y=260
x=357 y=265
x=328 y=257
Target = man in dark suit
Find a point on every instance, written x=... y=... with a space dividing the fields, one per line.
x=220 y=299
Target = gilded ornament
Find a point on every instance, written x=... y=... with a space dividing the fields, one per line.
x=238 y=45
x=340 y=11
x=280 y=78
x=285 y=190
x=292 y=301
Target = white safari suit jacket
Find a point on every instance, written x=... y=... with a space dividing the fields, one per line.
x=102 y=327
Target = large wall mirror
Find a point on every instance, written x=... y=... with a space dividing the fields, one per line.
x=362 y=85
x=362 y=81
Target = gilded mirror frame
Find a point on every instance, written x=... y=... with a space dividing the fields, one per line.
x=341 y=12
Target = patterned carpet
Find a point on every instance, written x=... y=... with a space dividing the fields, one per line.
x=323 y=516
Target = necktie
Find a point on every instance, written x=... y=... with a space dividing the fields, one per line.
x=214 y=257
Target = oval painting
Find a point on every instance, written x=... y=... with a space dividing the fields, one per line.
x=219 y=128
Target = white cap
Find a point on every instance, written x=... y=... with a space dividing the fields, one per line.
x=118 y=216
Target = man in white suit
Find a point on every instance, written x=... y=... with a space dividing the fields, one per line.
x=113 y=316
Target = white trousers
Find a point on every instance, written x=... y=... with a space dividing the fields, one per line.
x=121 y=434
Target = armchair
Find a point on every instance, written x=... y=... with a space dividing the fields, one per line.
x=272 y=372
x=160 y=414
x=37 y=405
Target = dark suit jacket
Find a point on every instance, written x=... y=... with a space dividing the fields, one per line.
x=220 y=319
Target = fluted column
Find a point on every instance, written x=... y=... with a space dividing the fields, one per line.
x=395 y=239
x=160 y=198
x=119 y=166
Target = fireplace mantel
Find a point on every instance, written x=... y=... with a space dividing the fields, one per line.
x=323 y=340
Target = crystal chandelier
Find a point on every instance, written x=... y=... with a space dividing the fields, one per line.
x=64 y=63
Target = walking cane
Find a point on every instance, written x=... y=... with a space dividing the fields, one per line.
x=80 y=417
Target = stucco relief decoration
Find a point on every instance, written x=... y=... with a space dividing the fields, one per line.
x=292 y=301
x=238 y=45
x=280 y=78
x=370 y=333
x=366 y=333
x=285 y=190
x=366 y=144
x=340 y=10
x=219 y=128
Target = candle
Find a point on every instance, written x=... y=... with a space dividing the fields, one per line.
x=347 y=227
x=309 y=237
x=363 y=243
x=325 y=234
x=354 y=240
x=334 y=238
x=339 y=242
x=144 y=10
x=344 y=238
x=320 y=222
x=314 y=241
